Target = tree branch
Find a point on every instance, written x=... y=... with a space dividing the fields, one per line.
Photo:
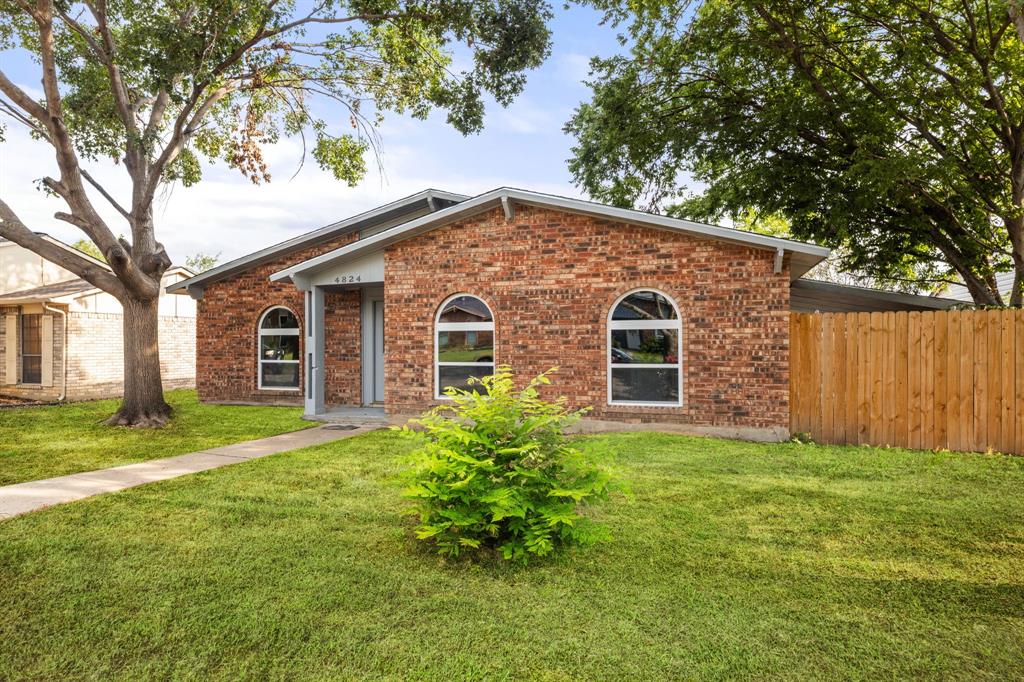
x=12 y=228
x=70 y=185
x=1015 y=8
x=106 y=195
x=20 y=98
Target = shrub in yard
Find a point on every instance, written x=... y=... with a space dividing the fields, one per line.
x=497 y=472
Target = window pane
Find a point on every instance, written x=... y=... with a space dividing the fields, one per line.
x=468 y=346
x=279 y=347
x=31 y=369
x=644 y=305
x=32 y=334
x=279 y=318
x=645 y=385
x=465 y=309
x=457 y=376
x=645 y=346
x=280 y=375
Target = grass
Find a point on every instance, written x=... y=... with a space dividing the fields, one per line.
x=730 y=560
x=41 y=442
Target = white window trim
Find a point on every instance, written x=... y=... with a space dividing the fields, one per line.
x=676 y=324
x=459 y=327
x=261 y=332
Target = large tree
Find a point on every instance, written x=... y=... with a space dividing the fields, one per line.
x=891 y=128
x=160 y=85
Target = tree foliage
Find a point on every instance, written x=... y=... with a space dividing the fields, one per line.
x=163 y=86
x=497 y=473
x=88 y=248
x=201 y=262
x=891 y=128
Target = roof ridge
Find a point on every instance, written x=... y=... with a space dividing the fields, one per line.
x=508 y=196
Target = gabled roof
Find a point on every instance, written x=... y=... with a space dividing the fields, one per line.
x=47 y=292
x=431 y=199
x=66 y=247
x=71 y=287
x=804 y=256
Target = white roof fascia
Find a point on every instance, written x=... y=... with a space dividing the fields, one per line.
x=430 y=196
x=505 y=196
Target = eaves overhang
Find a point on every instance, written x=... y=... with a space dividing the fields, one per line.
x=803 y=256
x=431 y=199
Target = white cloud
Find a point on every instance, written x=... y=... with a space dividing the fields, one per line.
x=573 y=67
x=526 y=117
x=227 y=214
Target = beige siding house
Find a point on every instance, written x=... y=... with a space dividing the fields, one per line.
x=61 y=337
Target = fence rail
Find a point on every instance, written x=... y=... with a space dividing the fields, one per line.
x=930 y=380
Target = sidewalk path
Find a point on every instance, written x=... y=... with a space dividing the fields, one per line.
x=21 y=498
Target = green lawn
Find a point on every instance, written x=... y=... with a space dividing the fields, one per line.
x=730 y=560
x=40 y=442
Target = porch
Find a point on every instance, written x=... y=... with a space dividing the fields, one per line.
x=365 y=276
x=351 y=416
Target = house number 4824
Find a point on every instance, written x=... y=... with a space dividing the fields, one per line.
x=348 y=279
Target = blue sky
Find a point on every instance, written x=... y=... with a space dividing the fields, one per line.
x=520 y=146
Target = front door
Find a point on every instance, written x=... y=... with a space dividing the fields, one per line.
x=378 y=351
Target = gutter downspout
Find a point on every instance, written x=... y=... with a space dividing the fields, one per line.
x=63 y=352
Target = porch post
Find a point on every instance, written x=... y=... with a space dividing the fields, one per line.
x=314 y=403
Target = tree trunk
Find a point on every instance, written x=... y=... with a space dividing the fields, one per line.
x=143 y=404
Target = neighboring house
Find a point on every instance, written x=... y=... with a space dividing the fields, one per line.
x=649 y=318
x=62 y=338
x=959 y=292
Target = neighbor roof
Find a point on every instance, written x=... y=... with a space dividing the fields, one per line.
x=47 y=292
x=804 y=256
x=71 y=287
x=808 y=295
x=1004 y=283
x=432 y=199
x=66 y=247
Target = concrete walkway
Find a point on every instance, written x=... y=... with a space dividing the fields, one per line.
x=21 y=498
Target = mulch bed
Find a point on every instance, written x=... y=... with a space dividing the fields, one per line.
x=6 y=401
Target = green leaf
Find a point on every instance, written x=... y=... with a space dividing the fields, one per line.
x=511 y=480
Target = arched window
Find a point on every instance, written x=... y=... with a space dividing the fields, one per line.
x=279 y=350
x=644 y=350
x=463 y=342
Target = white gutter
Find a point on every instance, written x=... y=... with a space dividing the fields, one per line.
x=63 y=352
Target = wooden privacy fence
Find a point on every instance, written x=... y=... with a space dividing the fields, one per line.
x=950 y=379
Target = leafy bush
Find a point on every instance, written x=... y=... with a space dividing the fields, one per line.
x=497 y=472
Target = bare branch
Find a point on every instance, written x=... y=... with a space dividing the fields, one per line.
x=106 y=195
x=184 y=129
x=20 y=116
x=108 y=55
x=12 y=228
x=83 y=33
x=70 y=186
x=20 y=98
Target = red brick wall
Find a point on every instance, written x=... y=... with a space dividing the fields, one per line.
x=342 y=348
x=551 y=278
x=226 y=332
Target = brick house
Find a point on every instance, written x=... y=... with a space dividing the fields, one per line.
x=649 y=318
x=61 y=338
